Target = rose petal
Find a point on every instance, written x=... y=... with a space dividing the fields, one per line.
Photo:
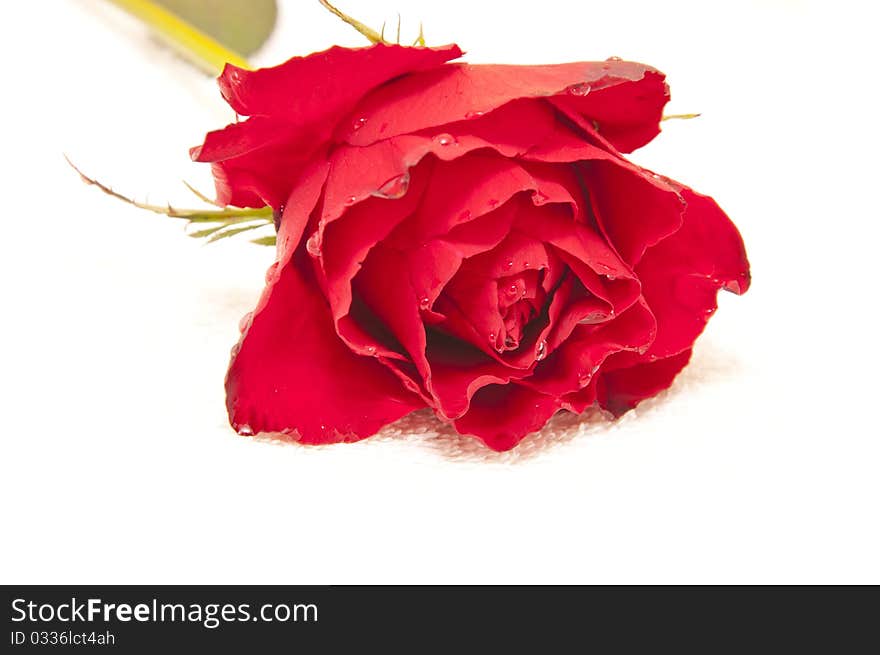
x=571 y=306
x=432 y=264
x=346 y=242
x=291 y=373
x=328 y=82
x=298 y=209
x=500 y=415
x=627 y=116
x=620 y=390
x=578 y=401
x=470 y=301
x=395 y=284
x=459 y=370
x=633 y=208
x=460 y=191
x=454 y=92
x=578 y=359
x=585 y=252
x=391 y=297
x=681 y=275
x=634 y=213
x=293 y=111
x=251 y=163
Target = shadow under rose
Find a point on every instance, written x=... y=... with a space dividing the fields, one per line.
x=709 y=364
x=443 y=440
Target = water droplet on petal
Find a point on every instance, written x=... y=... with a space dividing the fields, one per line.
x=510 y=342
x=541 y=351
x=351 y=200
x=465 y=215
x=583 y=379
x=512 y=291
x=245 y=322
x=371 y=350
x=445 y=140
x=394 y=188
x=358 y=124
x=473 y=114
x=581 y=89
x=509 y=264
x=491 y=336
x=424 y=302
x=539 y=198
x=614 y=59
x=245 y=430
x=313 y=245
x=494 y=202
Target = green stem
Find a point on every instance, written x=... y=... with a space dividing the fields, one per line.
x=192 y=43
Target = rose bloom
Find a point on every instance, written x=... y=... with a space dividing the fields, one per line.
x=467 y=238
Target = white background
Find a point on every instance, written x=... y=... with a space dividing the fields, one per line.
x=759 y=465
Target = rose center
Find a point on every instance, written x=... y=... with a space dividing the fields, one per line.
x=520 y=299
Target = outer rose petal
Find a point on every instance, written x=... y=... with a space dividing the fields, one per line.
x=310 y=89
x=501 y=415
x=621 y=390
x=680 y=279
x=294 y=109
x=251 y=163
x=292 y=374
x=681 y=275
x=626 y=98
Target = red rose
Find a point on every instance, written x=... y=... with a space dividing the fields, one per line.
x=463 y=237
